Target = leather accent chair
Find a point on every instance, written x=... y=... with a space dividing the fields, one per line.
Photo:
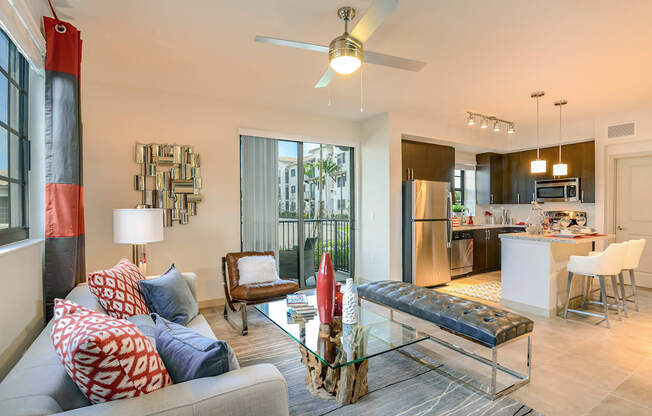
x=250 y=294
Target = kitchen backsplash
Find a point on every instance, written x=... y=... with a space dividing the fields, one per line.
x=521 y=212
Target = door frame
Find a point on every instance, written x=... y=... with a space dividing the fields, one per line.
x=355 y=174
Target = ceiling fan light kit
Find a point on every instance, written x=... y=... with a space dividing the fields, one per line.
x=345 y=52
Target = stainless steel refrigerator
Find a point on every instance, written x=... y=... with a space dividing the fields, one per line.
x=427 y=232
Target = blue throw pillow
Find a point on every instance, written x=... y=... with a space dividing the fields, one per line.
x=170 y=297
x=188 y=355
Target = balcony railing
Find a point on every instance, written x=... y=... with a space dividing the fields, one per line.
x=327 y=235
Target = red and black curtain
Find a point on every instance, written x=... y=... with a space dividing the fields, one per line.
x=65 y=262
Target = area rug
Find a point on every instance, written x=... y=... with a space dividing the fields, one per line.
x=398 y=385
x=490 y=291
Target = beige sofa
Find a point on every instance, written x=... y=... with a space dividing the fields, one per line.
x=39 y=385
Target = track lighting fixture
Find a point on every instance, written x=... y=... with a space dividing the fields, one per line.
x=498 y=124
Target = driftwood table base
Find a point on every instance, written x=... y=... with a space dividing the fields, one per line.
x=345 y=385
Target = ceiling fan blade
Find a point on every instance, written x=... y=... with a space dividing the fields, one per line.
x=393 y=61
x=373 y=18
x=325 y=79
x=292 y=44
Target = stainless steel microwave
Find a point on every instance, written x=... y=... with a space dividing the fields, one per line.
x=557 y=190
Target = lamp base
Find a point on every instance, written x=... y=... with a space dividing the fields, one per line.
x=139 y=257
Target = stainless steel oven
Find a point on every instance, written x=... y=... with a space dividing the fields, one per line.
x=558 y=190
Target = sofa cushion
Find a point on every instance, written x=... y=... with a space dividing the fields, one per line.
x=261 y=291
x=170 y=297
x=188 y=355
x=108 y=358
x=146 y=325
x=117 y=290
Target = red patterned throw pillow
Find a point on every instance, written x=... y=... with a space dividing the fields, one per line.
x=117 y=290
x=108 y=358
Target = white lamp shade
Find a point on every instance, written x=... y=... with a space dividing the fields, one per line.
x=137 y=226
x=538 y=166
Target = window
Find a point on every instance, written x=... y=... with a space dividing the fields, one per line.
x=340 y=159
x=14 y=143
x=293 y=189
x=341 y=204
x=459 y=187
x=293 y=172
x=341 y=181
x=287 y=178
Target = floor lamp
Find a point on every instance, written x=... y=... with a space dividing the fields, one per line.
x=138 y=227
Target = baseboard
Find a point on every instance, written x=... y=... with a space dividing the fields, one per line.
x=212 y=303
x=521 y=307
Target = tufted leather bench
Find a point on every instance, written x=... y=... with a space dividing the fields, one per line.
x=485 y=324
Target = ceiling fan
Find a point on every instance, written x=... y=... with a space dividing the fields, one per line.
x=346 y=52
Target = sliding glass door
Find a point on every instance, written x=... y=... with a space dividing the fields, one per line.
x=315 y=209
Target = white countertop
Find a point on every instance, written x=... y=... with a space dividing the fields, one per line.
x=550 y=239
x=485 y=226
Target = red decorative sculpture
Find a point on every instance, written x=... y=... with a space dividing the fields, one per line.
x=326 y=290
x=338 y=299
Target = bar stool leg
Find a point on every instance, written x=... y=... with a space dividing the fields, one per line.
x=614 y=287
x=603 y=295
x=586 y=290
x=570 y=279
x=632 y=280
x=621 y=281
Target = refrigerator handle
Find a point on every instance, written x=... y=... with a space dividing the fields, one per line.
x=449 y=219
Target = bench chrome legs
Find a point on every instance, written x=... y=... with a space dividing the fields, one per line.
x=495 y=366
x=244 y=329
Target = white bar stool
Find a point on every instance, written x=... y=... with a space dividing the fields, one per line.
x=607 y=263
x=632 y=259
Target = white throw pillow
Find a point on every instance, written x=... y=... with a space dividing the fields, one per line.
x=257 y=269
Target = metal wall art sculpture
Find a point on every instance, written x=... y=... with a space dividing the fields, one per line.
x=170 y=179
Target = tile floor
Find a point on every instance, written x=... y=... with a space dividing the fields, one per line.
x=579 y=368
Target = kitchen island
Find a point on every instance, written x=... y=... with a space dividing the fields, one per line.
x=534 y=275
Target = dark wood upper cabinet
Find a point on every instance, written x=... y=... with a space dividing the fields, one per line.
x=489 y=178
x=517 y=181
x=431 y=162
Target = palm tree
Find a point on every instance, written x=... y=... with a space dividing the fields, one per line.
x=327 y=168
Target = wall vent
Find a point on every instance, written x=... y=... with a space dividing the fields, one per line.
x=621 y=130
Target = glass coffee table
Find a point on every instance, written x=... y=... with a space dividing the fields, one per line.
x=335 y=355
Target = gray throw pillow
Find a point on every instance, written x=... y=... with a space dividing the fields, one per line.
x=188 y=355
x=169 y=296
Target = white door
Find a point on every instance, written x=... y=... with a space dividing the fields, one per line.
x=634 y=209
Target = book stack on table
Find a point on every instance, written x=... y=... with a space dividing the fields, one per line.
x=299 y=308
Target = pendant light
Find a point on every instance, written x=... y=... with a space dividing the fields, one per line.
x=560 y=169
x=538 y=165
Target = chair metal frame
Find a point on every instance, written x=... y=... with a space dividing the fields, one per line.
x=493 y=394
x=586 y=297
x=231 y=303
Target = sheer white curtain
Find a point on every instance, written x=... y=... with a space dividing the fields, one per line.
x=259 y=173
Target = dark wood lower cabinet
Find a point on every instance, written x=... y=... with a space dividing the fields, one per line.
x=487 y=248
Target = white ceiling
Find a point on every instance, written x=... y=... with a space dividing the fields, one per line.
x=485 y=56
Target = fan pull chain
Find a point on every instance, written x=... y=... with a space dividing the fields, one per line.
x=361 y=92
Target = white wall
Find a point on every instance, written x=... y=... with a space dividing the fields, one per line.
x=21 y=300
x=115 y=118
x=374 y=253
